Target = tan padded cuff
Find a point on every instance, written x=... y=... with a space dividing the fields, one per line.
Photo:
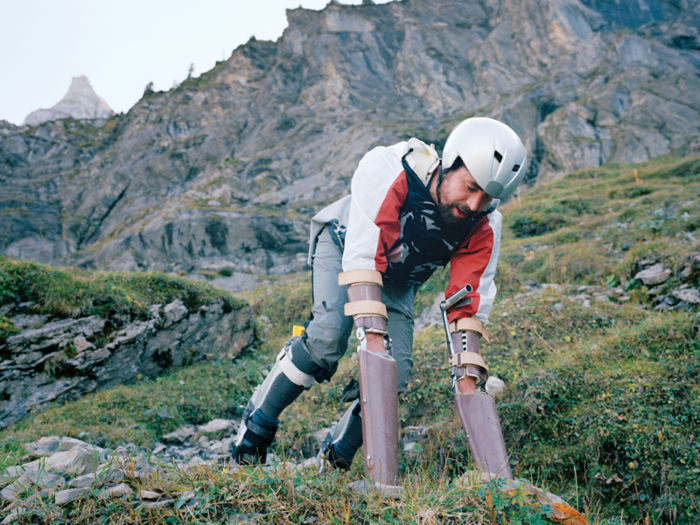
x=366 y=308
x=360 y=277
x=467 y=359
x=469 y=324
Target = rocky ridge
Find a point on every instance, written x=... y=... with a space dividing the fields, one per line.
x=224 y=172
x=56 y=360
x=81 y=102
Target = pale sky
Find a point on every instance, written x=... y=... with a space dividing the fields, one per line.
x=122 y=45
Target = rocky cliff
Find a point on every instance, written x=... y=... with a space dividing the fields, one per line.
x=223 y=172
x=81 y=102
x=57 y=362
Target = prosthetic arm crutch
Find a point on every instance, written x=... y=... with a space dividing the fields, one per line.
x=378 y=375
x=477 y=411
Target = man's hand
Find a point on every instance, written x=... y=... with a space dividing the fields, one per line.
x=375 y=343
x=466 y=385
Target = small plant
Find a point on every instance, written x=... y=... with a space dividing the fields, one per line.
x=225 y=272
x=7 y=328
x=517 y=507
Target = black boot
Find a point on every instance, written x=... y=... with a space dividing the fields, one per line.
x=260 y=431
x=338 y=461
x=343 y=440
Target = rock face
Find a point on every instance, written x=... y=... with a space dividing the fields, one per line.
x=44 y=365
x=225 y=171
x=81 y=102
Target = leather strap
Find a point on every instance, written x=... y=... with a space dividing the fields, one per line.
x=469 y=324
x=467 y=359
x=365 y=308
x=360 y=277
x=373 y=323
x=293 y=373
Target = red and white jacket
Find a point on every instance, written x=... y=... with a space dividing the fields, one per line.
x=389 y=223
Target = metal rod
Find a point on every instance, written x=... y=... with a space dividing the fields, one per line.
x=446 y=305
x=456 y=297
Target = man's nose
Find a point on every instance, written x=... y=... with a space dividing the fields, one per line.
x=473 y=202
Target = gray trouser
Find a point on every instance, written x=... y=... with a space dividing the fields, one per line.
x=316 y=353
x=327 y=334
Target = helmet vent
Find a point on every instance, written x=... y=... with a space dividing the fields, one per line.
x=516 y=167
x=497 y=155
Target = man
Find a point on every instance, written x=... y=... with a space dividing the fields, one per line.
x=407 y=215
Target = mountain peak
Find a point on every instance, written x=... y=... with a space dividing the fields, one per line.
x=81 y=102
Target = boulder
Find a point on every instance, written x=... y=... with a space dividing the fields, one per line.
x=44 y=479
x=217 y=428
x=495 y=386
x=430 y=316
x=174 y=313
x=14 y=489
x=16 y=471
x=79 y=460
x=181 y=435
x=117 y=491
x=66 y=496
x=67 y=443
x=653 y=275
x=149 y=495
x=689 y=295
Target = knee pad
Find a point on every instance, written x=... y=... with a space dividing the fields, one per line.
x=295 y=360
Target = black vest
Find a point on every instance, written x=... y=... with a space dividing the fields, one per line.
x=426 y=240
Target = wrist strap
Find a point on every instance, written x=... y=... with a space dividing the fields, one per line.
x=360 y=277
x=366 y=308
x=469 y=324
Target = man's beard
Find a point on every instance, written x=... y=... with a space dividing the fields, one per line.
x=448 y=214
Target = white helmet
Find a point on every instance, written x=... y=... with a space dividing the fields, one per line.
x=491 y=151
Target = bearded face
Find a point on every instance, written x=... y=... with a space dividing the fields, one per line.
x=460 y=198
x=455 y=214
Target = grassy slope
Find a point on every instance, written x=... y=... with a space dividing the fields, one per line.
x=121 y=297
x=595 y=394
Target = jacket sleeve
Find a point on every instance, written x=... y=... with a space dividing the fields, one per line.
x=379 y=189
x=475 y=263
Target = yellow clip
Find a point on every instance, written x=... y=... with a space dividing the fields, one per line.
x=297 y=330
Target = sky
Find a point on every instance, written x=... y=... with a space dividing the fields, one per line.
x=122 y=45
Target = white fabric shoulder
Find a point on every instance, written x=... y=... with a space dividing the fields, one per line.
x=487 y=288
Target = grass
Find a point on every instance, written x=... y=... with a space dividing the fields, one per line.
x=143 y=411
x=120 y=297
x=601 y=405
x=283 y=496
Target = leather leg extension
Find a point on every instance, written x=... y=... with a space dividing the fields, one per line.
x=483 y=428
x=380 y=415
